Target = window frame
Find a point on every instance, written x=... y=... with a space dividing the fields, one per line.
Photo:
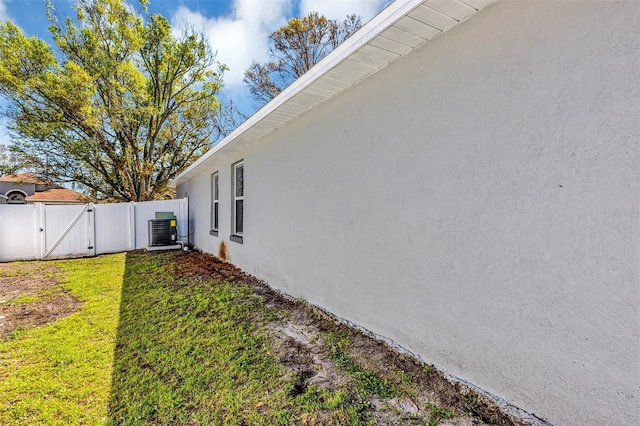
x=13 y=193
x=237 y=233
x=215 y=204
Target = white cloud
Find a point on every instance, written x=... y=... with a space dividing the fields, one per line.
x=3 y=11
x=242 y=36
x=239 y=38
x=339 y=9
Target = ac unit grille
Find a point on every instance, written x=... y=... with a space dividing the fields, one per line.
x=162 y=232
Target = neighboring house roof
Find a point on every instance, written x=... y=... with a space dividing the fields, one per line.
x=58 y=194
x=396 y=31
x=22 y=178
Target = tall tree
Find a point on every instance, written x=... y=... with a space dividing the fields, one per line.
x=121 y=107
x=9 y=163
x=293 y=50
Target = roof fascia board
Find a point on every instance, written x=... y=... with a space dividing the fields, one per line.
x=387 y=17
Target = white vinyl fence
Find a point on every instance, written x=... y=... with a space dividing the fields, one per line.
x=38 y=231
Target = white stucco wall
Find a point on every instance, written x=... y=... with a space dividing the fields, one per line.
x=477 y=202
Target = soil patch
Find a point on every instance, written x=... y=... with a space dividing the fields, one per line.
x=26 y=279
x=31 y=296
x=301 y=337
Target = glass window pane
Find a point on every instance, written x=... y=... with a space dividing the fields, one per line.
x=215 y=216
x=239 y=180
x=239 y=216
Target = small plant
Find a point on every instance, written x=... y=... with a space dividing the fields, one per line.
x=437 y=413
x=404 y=376
x=283 y=417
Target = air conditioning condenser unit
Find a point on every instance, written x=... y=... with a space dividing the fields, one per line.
x=162 y=232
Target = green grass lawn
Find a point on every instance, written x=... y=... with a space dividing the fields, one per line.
x=61 y=373
x=153 y=345
x=190 y=353
x=195 y=351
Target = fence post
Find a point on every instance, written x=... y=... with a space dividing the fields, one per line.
x=92 y=228
x=132 y=225
x=40 y=231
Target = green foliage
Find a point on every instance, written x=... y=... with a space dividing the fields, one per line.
x=9 y=162
x=436 y=414
x=126 y=108
x=406 y=378
x=294 y=49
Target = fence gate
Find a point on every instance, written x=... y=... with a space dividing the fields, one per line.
x=68 y=230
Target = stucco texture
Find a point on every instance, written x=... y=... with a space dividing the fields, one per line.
x=477 y=202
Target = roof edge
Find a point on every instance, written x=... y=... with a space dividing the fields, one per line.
x=366 y=33
x=291 y=103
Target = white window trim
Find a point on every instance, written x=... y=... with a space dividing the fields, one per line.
x=215 y=203
x=236 y=198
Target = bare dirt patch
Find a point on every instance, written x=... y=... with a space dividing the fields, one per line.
x=25 y=279
x=31 y=296
x=301 y=342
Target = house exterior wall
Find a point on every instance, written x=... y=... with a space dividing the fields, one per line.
x=477 y=202
x=27 y=188
x=39 y=187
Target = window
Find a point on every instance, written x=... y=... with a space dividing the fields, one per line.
x=215 y=198
x=238 y=200
x=16 y=198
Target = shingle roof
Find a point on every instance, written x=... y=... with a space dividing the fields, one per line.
x=23 y=178
x=58 y=194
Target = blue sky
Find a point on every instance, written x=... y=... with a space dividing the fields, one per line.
x=237 y=29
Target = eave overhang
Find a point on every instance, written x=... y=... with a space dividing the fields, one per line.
x=397 y=30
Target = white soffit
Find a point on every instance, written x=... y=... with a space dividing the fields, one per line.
x=395 y=31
